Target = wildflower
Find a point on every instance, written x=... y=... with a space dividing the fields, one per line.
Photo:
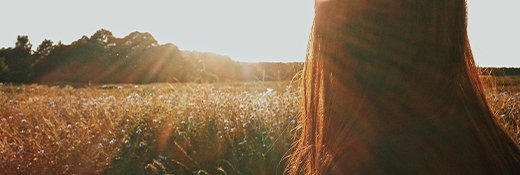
x=219 y=132
x=88 y=143
x=226 y=128
x=20 y=114
x=138 y=131
x=100 y=145
x=66 y=166
x=10 y=117
x=119 y=87
x=36 y=127
x=23 y=120
x=68 y=126
x=136 y=86
x=123 y=131
x=112 y=141
x=142 y=144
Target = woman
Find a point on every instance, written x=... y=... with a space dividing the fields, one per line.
x=390 y=87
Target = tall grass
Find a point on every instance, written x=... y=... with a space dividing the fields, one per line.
x=234 y=128
x=147 y=129
x=503 y=95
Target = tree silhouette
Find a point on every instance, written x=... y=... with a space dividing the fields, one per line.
x=135 y=58
x=4 y=70
x=44 y=49
x=17 y=60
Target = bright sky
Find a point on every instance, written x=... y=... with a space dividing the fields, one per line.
x=252 y=31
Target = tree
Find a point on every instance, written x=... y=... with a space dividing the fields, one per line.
x=44 y=49
x=22 y=42
x=102 y=36
x=19 y=60
x=4 y=71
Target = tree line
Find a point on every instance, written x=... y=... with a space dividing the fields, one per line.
x=135 y=58
x=501 y=71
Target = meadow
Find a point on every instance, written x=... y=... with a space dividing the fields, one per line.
x=232 y=128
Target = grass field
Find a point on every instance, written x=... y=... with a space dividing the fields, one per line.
x=236 y=128
x=147 y=129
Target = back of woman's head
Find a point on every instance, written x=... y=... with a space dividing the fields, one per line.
x=390 y=86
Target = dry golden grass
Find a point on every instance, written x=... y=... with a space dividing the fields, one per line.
x=147 y=129
x=503 y=95
x=235 y=128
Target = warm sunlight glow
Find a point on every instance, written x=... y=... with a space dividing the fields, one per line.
x=250 y=31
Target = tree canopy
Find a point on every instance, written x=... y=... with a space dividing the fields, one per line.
x=135 y=58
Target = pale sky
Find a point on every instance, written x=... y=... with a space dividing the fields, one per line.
x=245 y=30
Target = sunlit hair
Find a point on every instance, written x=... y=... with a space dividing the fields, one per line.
x=390 y=86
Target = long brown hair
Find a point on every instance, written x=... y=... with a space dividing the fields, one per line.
x=390 y=86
